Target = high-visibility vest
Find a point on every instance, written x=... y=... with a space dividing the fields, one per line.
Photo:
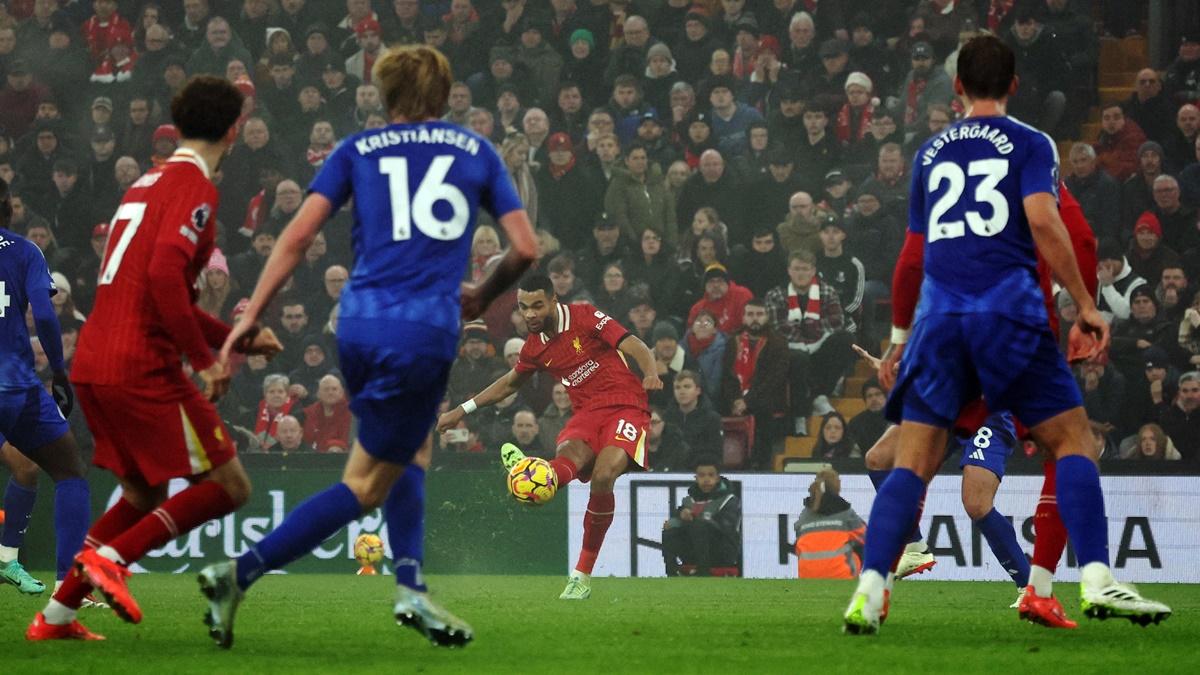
x=827 y=545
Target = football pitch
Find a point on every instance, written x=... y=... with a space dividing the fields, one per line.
x=342 y=624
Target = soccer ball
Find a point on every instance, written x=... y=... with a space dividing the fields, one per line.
x=368 y=549
x=532 y=481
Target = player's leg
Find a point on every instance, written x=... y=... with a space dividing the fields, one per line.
x=19 y=497
x=984 y=457
x=404 y=512
x=879 y=460
x=1081 y=506
x=894 y=513
x=609 y=465
x=1038 y=603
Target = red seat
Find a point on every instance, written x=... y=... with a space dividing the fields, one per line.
x=739 y=440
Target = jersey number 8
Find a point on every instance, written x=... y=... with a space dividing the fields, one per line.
x=417 y=208
x=993 y=171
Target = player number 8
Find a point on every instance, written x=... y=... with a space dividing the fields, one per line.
x=417 y=208
x=983 y=438
x=993 y=171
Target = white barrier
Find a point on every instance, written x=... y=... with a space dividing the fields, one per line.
x=1154 y=524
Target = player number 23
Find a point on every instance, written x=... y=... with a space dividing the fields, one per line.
x=992 y=171
x=417 y=208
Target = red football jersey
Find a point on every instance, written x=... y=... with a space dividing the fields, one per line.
x=125 y=341
x=584 y=357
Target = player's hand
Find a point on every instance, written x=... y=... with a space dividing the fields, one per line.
x=739 y=407
x=1092 y=322
x=64 y=397
x=652 y=382
x=244 y=326
x=259 y=341
x=216 y=380
x=890 y=365
x=473 y=303
x=450 y=419
x=866 y=356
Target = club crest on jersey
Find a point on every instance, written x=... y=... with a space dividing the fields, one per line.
x=578 y=346
x=200 y=217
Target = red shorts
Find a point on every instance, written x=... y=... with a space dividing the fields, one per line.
x=973 y=416
x=623 y=427
x=144 y=433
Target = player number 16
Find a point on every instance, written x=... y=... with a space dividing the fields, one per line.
x=417 y=208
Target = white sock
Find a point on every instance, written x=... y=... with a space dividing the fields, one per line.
x=890 y=583
x=1042 y=581
x=872 y=583
x=585 y=578
x=918 y=546
x=111 y=553
x=8 y=554
x=1096 y=575
x=58 y=614
x=57 y=585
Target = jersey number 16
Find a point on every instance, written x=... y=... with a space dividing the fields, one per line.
x=417 y=208
x=993 y=171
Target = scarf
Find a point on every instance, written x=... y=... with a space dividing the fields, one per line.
x=844 y=133
x=747 y=358
x=316 y=157
x=997 y=10
x=697 y=346
x=557 y=171
x=266 y=421
x=915 y=89
x=812 y=307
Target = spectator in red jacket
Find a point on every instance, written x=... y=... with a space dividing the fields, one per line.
x=327 y=422
x=1120 y=138
x=105 y=29
x=724 y=298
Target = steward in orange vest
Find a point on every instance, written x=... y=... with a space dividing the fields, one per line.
x=829 y=534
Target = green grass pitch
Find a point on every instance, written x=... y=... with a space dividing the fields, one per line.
x=342 y=624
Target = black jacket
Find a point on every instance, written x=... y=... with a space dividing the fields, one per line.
x=701 y=428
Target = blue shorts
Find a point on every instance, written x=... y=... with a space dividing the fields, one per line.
x=991 y=446
x=30 y=419
x=395 y=393
x=952 y=359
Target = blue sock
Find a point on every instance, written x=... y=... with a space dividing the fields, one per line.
x=405 y=514
x=18 y=508
x=72 y=515
x=1002 y=539
x=892 y=518
x=1081 y=505
x=311 y=523
x=877 y=477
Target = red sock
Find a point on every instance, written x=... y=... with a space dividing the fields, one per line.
x=599 y=516
x=109 y=526
x=565 y=469
x=178 y=515
x=1050 y=534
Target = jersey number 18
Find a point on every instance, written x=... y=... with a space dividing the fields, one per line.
x=417 y=208
x=993 y=171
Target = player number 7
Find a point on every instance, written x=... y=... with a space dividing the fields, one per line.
x=131 y=213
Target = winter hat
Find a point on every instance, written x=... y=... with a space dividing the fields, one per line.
x=663 y=330
x=60 y=282
x=367 y=25
x=559 y=141
x=585 y=35
x=659 y=49
x=860 y=79
x=1150 y=146
x=513 y=346
x=166 y=131
x=715 y=271
x=217 y=261
x=1148 y=221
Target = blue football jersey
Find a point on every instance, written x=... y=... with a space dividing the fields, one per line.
x=416 y=189
x=23 y=271
x=968 y=187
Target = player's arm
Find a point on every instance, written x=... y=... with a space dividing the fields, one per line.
x=504 y=386
x=1083 y=240
x=287 y=254
x=50 y=336
x=168 y=292
x=633 y=347
x=522 y=251
x=906 y=291
x=1052 y=241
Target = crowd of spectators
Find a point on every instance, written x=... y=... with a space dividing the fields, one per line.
x=729 y=178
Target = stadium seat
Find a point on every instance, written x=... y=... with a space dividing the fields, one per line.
x=739 y=440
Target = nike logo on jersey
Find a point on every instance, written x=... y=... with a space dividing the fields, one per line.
x=549 y=362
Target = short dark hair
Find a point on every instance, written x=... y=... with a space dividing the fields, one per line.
x=707 y=460
x=871 y=383
x=986 y=67
x=206 y=108
x=281 y=60
x=756 y=302
x=561 y=263
x=537 y=282
x=627 y=80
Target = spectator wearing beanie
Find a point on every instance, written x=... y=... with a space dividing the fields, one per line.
x=660 y=76
x=1143 y=329
x=476 y=366
x=854 y=117
x=726 y=299
x=1117 y=280
x=670 y=358
x=1147 y=254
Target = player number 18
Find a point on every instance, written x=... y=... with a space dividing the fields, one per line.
x=992 y=171
x=417 y=208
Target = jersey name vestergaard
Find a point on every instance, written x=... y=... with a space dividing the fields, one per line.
x=584 y=357
x=968 y=187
